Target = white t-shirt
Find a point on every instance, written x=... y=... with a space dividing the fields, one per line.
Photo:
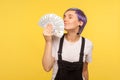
x=71 y=52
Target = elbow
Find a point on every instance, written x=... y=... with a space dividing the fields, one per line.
x=47 y=65
x=47 y=69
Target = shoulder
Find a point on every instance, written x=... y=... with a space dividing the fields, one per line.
x=88 y=43
x=56 y=40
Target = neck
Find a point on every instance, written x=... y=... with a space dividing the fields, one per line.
x=72 y=37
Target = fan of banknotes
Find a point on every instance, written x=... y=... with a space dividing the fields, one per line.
x=56 y=21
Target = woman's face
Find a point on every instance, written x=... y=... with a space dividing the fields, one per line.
x=71 y=21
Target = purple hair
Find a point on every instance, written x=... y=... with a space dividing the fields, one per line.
x=81 y=17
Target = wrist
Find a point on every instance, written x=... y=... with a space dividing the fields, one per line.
x=49 y=42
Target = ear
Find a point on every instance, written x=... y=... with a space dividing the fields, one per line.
x=80 y=23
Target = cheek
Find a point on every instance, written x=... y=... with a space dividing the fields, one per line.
x=74 y=23
x=71 y=24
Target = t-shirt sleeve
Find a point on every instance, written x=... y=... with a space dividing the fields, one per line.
x=53 y=50
x=88 y=57
x=55 y=46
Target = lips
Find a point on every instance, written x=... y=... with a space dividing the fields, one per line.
x=65 y=22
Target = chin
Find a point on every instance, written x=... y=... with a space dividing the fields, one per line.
x=67 y=29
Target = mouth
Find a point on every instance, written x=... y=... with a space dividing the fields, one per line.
x=65 y=23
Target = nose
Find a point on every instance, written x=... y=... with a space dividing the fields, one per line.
x=65 y=19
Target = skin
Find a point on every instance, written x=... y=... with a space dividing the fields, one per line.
x=71 y=26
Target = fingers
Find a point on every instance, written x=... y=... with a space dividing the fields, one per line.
x=49 y=26
x=48 y=30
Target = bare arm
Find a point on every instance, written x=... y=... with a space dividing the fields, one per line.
x=48 y=60
x=85 y=71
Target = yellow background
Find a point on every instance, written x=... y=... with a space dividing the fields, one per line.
x=22 y=43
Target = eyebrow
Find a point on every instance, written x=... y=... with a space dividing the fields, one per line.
x=68 y=15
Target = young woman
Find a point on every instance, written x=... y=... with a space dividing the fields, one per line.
x=68 y=56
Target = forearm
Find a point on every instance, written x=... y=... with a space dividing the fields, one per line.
x=48 y=60
x=85 y=75
x=85 y=71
